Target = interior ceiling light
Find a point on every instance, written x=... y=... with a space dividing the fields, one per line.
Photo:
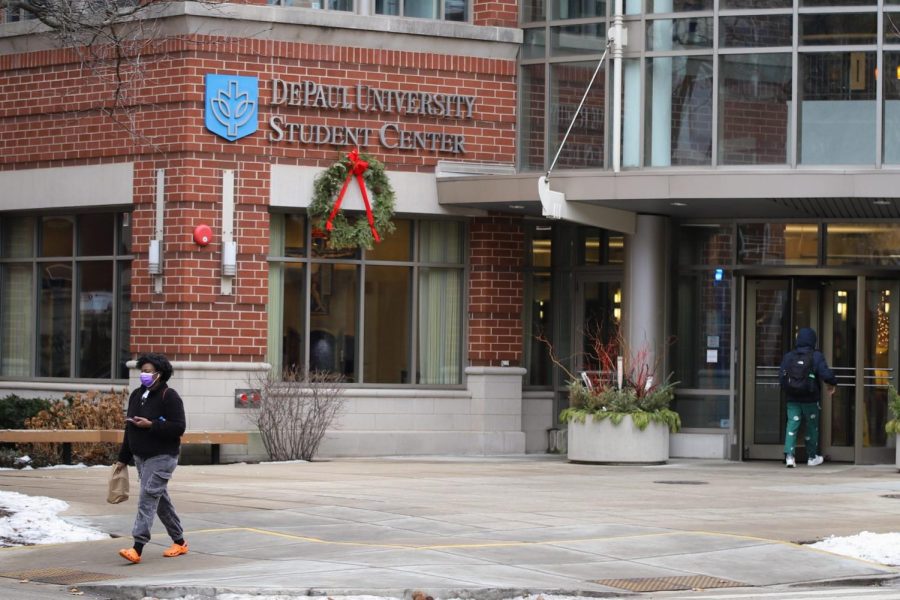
x=882 y=202
x=679 y=204
x=516 y=206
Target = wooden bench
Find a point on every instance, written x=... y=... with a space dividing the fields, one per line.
x=67 y=437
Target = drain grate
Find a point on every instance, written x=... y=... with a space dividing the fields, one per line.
x=667 y=584
x=60 y=576
x=681 y=482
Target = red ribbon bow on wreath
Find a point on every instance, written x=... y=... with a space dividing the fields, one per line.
x=357 y=168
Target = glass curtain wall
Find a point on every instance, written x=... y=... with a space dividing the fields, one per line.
x=718 y=83
x=562 y=47
x=390 y=315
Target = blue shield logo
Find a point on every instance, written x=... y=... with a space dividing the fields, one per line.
x=232 y=105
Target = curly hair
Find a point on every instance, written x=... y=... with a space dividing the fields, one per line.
x=159 y=362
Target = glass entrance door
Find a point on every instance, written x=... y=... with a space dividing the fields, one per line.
x=776 y=310
x=858 y=334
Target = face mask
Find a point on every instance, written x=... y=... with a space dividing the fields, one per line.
x=147 y=379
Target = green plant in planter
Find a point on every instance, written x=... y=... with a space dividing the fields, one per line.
x=602 y=397
x=893 y=426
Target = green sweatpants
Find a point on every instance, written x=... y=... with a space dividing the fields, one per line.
x=809 y=412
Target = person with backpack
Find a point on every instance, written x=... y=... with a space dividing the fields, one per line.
x=803 y=369
x=155 y=422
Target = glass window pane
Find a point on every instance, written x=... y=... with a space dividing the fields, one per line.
x=345 y=5
x=585 y=146
x=55 y=319
x=95 y=312
x=423 y=9
x=57 y=234
x=754 y=108
x=599 y=247
x=394 y=246
x=534 y=43
x=755 y=31
x=534 y=10
x=667 y=6
x=892 y=106
x=705 y=245
x=387 y=319
x=439 y=347
x=294 y=235
x=891 y=30
x=441 y=242
x=756 y=4
x=124 y=322
x=334 y=306
x=293 y=315
x=531 y=136
x=542 y=246
x=96 y=234
x=680 y=34
x=578 y=9
x=539 y=365
x=778 y=244
x=16 y=320
x=17 y=237
x=843 y=28
x=679 y=103
x=573 y=40
x=862 y=244
x=387 y=7
x=878 y=360
x=703 y=331
x=702 y=411
x=837 y=110
x=455 y=10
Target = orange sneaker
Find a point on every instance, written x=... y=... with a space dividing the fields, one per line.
x=130 y=554
x=176 y=550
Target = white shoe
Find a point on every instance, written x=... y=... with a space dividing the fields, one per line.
x=789 y=461
x=815 y=461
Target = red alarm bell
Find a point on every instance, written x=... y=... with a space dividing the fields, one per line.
x=202 y=235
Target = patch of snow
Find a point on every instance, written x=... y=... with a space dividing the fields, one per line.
x=876 y=547
x=34 y=520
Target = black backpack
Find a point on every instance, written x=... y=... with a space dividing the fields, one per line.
x=799 y=375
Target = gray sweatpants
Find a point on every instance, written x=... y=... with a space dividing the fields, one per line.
x=155 y=473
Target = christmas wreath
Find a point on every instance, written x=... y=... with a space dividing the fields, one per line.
x=328 y=192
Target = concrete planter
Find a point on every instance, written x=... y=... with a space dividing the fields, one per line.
x=602 y=442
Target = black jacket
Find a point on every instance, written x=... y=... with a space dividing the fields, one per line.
x=164 y=407
x=806 y=342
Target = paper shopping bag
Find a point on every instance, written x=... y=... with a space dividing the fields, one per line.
x=118 y=484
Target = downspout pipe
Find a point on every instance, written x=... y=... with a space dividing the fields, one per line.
x=619 y=38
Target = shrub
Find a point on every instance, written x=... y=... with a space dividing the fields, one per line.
x=14 y=410
x=80 y=410
x=295 y=410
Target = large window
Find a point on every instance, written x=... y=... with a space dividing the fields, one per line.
x=65 y=296
x=390 y=315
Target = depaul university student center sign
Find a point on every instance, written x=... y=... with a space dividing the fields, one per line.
x=367 y=99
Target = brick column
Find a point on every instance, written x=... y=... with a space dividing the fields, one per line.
x=497 y=254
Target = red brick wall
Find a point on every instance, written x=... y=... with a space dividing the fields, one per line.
x=499 y=13
x=49 y=116
x=497 y=251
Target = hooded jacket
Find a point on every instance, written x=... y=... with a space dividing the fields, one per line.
x=806 y=342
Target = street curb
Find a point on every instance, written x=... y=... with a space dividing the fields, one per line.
x=138 y=592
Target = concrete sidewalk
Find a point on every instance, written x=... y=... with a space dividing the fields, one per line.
x=470 y=527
